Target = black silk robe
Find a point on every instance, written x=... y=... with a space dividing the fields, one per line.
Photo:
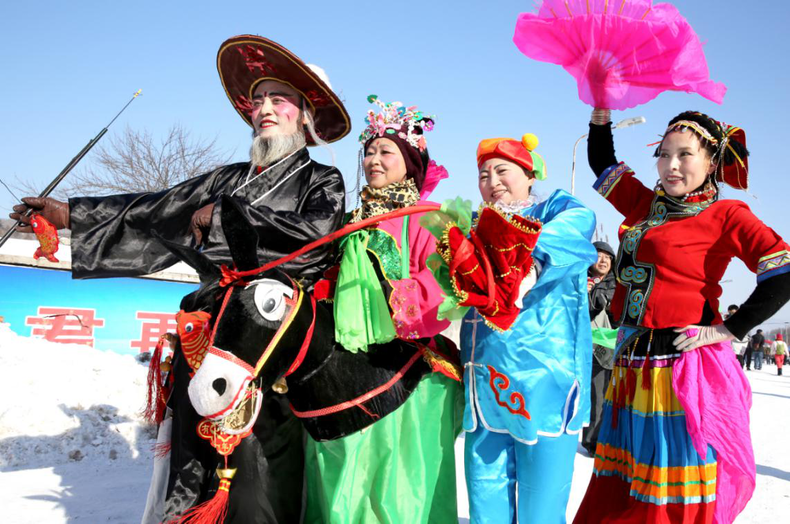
x=290 y=204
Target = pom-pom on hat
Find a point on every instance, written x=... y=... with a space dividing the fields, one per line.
x=522 y=153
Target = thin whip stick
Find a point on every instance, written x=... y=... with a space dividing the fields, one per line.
x=74 y=161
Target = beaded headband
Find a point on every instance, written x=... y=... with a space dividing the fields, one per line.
x=395 y=119
x=735 y=174
x=694 y=126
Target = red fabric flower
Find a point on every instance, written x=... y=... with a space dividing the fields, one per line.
x=487 y=268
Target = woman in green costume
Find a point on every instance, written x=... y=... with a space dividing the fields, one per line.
x=402 y=468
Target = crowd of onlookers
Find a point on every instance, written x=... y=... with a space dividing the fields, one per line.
x=755 y=349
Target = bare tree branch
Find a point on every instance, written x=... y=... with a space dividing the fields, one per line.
x=133 y=162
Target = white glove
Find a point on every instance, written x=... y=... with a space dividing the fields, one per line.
x=705 y=336
x=528 y=283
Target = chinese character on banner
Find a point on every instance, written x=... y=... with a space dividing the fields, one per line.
x=154 y=325
x=65 y=325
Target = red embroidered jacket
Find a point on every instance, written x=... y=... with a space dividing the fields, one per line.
x=671 y=258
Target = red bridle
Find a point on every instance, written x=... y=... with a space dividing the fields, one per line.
x=300 y=356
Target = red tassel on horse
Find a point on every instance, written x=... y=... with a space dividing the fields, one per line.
x=212 y=511
x=153 y=398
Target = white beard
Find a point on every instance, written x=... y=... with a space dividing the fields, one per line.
x=266 y=151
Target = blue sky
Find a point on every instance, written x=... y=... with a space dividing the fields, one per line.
x=69 y=66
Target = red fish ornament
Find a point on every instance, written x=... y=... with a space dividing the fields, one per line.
x=194 y=331
x=47 y=236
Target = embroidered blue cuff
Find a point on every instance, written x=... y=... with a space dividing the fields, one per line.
x=772 y=265
x=610 y=177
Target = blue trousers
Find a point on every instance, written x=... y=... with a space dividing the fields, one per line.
x=758 y=360
x=497 y=466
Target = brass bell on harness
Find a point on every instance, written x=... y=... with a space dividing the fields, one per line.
x=167 y=364
x=280 y=386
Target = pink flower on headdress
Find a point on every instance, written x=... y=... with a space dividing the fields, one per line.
x=433 y=174
x=421 y=143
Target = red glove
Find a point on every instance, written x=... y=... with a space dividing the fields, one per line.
x=201 y=221
x=54 y=211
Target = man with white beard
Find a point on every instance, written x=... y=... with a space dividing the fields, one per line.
x=290 y=199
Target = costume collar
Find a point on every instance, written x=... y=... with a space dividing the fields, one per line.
x=383 y=200
x=693 y=204
x=256 y=186
x=517 y=206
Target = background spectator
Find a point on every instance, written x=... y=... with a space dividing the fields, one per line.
x=738 y=346
x=779 y=351
x=600 y=288
x=757 y=344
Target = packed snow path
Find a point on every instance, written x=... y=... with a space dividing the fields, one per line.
x=73 y=447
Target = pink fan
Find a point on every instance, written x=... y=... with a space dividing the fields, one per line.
x=622 y=53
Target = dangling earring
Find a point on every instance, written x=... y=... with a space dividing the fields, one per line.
x=658 y=185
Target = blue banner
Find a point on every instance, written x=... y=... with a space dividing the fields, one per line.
x=125 y=315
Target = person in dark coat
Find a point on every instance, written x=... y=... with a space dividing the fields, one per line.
x=290 y=200
x=738 y=345
x=600 y=289
x=756 y=346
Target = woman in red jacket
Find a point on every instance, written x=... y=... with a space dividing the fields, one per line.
x=674 y=444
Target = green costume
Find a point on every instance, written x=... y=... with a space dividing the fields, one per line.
x=401 y=469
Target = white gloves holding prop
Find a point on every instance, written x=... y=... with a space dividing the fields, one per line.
x=706 y=335
x=528 y=283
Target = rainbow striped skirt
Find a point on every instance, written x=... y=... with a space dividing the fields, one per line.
x=646 y=467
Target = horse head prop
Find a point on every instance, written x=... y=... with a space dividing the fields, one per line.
x=266 y=327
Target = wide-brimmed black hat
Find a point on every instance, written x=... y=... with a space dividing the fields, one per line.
x=245 y=61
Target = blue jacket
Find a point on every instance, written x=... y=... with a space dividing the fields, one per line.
x=534 y=380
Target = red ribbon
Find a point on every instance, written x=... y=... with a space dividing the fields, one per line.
x=230 y=276
x=307 y=339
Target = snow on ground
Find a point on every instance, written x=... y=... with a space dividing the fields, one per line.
x=73 y=446
x=72 y=443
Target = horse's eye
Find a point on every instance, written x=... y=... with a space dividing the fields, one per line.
x=270 y=298
x=188 y=328
x=269 y=305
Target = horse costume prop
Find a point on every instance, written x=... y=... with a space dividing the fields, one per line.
x=266 y=327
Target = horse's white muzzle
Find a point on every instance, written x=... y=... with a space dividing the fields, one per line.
x=219 y=384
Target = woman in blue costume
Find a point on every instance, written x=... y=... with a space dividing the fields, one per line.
x=527 y=388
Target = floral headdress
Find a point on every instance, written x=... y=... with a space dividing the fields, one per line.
x=394 y=119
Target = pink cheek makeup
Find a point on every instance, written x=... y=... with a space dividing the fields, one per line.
x=287 y=111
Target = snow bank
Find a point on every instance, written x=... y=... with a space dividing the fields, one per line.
x=69 y=403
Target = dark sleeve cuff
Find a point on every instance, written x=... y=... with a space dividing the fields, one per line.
x=767 y=298
x=600 y=148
